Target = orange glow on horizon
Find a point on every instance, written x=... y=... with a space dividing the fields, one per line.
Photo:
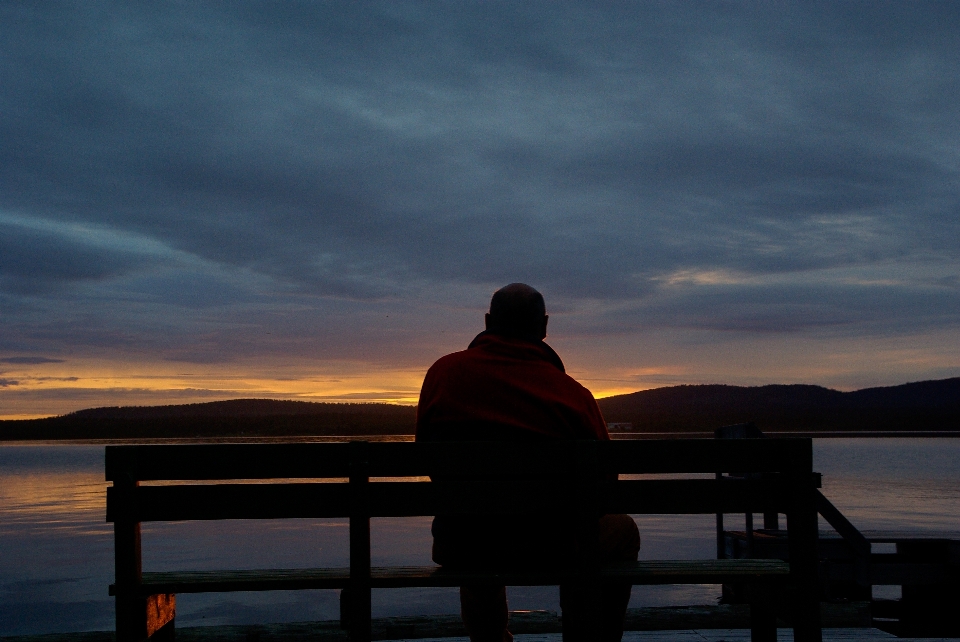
x=52 y=389
x=60 y=388
x=605 y=366
x=613 y=392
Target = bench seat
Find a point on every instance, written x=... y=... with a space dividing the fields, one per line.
x=576 y=480
x=643 y=572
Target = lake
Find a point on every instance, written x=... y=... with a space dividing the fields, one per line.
x=56 y=550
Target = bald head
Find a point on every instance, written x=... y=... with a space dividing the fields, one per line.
x=517 y=310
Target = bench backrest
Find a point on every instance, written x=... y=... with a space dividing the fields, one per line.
x=280 y=480
x=576 y=479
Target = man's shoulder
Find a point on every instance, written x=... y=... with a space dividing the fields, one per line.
x=452 y=359
x=539 y=374
x=574 y=388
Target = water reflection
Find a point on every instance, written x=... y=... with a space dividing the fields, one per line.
x=57 y=549
x=893 y=484
x=61 y=501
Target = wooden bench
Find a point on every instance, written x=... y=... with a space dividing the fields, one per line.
x=565 y=478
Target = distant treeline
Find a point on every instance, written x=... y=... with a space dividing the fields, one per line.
x=926 y=405
x=236 y=418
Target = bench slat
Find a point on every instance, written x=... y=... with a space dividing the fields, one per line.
x=228 y=501
x=225 y=461
x=694 y=496
x=784 y=455
x=408 y=459
x=643 y=572
x=404 y=499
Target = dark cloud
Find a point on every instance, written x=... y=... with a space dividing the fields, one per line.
x=36 y=260
x=829 y=309
x=180 y=178
x=29 y=360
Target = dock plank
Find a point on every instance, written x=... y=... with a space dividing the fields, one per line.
x=330 y=632
x=642 y=572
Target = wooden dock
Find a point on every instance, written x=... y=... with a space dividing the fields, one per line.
x=845 y=623
x=311 y=632
x=925 y=565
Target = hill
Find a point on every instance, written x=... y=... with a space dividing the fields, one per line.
x=239 y=417
x=925 y=405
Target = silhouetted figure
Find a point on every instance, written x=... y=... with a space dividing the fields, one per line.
x=510 y=385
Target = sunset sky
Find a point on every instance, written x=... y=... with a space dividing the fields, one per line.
x=316 y=200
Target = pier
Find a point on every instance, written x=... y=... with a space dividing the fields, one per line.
x=926 y=566
x=923 y=566
x=330 y=632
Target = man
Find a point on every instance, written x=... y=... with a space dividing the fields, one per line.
x=510 y=385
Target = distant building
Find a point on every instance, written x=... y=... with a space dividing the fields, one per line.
x=619 y=426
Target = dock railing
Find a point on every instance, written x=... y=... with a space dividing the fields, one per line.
x=925 y=566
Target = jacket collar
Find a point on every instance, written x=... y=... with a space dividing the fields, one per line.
x=487 y=338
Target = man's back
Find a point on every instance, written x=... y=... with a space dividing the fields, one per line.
x=505 y=387
x=509 y=385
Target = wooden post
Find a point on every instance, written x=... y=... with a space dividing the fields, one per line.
x=735 y=431
x=583 y=623
x=763 y=614
x=359 y=590
x=928 y=610
x=771 y=520
x=802 y=536
x=721 y=543
x=138 y=617
x=131 y=614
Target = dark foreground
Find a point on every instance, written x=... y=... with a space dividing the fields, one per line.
x=849 y=621
x=298 y=633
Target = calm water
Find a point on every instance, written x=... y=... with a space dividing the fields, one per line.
x=56 y=551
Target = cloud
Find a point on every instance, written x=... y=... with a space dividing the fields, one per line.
x=324 y=169
x=36 y=260
x=29 y=360
x=185 y=179
x=793 y=305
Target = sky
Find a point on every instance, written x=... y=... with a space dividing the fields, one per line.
x=315 y=200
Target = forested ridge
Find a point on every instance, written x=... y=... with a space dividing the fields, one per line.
x=924 y=405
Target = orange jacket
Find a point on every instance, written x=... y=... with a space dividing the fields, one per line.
x=505 y=388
